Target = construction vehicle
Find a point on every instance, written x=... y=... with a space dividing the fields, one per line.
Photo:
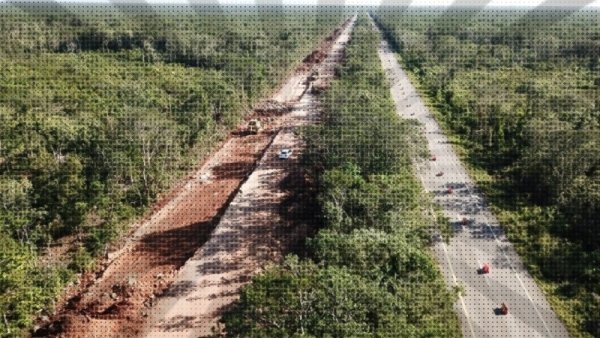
x=254 y=126
x=285 y=153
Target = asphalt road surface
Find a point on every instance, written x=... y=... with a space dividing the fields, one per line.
x=478 y=240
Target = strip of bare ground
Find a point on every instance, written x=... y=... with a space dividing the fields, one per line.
x=113 y=302
x=252 y=233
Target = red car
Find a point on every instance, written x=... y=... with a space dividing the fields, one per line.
x=503 y=309
x=485 y=268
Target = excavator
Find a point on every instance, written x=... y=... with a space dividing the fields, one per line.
x=254 y=126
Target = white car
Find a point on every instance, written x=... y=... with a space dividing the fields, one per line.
x=285 y=153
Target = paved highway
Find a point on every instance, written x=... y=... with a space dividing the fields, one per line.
x=480 y=240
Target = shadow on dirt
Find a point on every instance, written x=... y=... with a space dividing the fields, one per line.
x=299 y=210
x=176 y=246
x=179 y=289
x=178 y=323
x=218 y=267
x=233 y=170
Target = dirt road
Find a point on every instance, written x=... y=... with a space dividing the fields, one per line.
x=250 y=235
x=117 y=301
x=478 y=240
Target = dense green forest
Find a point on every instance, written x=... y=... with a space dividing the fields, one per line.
x=368 y=271
x=102 y=109
x=521 y=92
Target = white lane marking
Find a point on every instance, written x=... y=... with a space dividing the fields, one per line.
x=460 y=297
x=462 y=301
x=535 y=307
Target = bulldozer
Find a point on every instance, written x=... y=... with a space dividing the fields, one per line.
x=254 y=126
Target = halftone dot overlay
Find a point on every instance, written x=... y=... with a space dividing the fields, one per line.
x=290 y=169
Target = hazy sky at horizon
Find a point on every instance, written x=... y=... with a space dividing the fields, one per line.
x=493 y=3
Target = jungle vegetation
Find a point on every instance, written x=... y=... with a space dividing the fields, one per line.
x=102 y=109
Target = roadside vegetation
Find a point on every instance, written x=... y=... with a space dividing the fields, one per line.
x=368 y=271
x=102 y=110
x=521 y=94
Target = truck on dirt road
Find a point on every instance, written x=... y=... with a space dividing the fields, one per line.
x=254 y=126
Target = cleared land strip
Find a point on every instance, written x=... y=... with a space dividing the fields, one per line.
x=478 y=240
x=250 y=234
x=116 y=302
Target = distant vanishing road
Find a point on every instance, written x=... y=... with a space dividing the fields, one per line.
x=480 y=240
